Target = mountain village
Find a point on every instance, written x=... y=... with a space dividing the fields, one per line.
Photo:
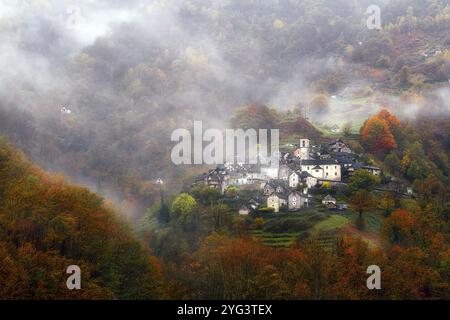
x=288 y=186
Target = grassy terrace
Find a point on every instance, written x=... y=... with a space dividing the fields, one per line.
x=276 y=239
x=333 y=222
x=283 y=229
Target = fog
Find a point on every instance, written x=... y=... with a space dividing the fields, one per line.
x=132 y=71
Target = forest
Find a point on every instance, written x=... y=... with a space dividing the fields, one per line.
x=89 y=99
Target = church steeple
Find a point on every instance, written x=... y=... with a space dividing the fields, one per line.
x=304 y=149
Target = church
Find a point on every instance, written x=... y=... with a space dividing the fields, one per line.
x=322 y=169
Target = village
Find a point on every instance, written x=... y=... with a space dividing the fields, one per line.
x=288 y=187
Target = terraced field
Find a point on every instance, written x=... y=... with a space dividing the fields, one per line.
x=333 y=222
x=276 y=239
x=326 y=227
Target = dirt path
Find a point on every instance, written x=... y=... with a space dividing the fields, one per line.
x=351 y=229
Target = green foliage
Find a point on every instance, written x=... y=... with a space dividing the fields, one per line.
x=205 y=194
x=392 y=161
x=183 y=205
x=363 y=180
x=333 y=222
x=164 y=213
x=231 y=192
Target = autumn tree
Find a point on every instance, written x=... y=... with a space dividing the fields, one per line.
x=48 y=224
x=347 y=129
x=319 y=106
x=387 y=202
x=398 y=228
x=362 y=201
x=403 y=76
x=376 y=134
x=255 y=116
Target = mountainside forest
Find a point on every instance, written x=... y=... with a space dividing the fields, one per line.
x=90 y=95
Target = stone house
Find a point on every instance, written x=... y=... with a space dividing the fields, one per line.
x=283 y=172
x=339 y=146
x=277 y=201
x=275 y=186
x=329 y=200
x=296 y=201
x=244 y=210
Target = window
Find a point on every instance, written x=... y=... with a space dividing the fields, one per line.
x=335 y=173
x=326 y=167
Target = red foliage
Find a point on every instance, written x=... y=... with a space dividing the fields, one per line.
x=392 y=120
x=376 y=135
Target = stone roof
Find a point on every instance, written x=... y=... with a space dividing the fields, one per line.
x=283 y=195
x=329 y=198
x=305 y=174
x=298 y=193
x=274 y=183
x=314 y=162
x=339 y=140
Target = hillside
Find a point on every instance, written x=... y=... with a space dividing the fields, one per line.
x=46 y=225
x=94 y=93
x=206 y=60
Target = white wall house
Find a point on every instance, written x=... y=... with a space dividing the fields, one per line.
x=307 y=178
x=244 y=211
x=283 y=172
x=329 y=200
x=270 y=172
x=294 y=179
x=327 y=169
x=276 y=202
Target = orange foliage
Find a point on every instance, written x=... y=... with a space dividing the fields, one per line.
x=391 y=119
x=399 y=227
x=48 y=224
x=376 y=134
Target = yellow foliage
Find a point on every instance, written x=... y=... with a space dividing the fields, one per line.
x=278 y=24
x=405 y=161
x=196 y=57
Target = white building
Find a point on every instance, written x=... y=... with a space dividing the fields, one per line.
x=283 y=172
x=329 y=200
x=297 y=177
x=323 y=169
x=270 y=172
x=244 y=211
